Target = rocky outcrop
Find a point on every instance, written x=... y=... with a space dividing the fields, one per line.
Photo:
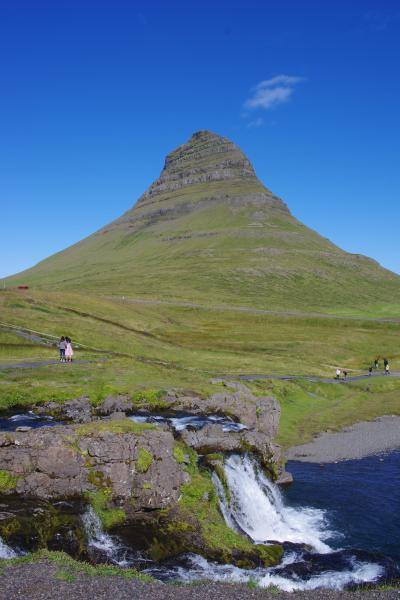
x=118 y=463
x=210 y=439
x=78 y=410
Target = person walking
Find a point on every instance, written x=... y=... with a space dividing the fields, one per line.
x=345 y=374
x=370 y=371
x=337 y=373
x=387 y=369
x=376 y=363
x=69 y=352
x=62 y=344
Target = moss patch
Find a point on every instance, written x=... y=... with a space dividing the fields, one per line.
x=118 y=426
x=7 y=482
x=144 y=460
x=179 y=454
x=100 y=501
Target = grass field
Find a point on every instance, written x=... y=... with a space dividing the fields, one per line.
x=142 y=348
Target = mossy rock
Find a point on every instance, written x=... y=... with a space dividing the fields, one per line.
x=144 y=460
x=101 y=502
x=7 y=482
x=37 y=525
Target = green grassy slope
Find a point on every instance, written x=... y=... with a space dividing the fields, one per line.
x=209 y=231
x=141 y=349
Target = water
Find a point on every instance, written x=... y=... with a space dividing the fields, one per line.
x=104 y=548
x=28 y=419
x=258 y=509
x=193 y=567
x=361 y=497
x=6 y=551
x=181 y=421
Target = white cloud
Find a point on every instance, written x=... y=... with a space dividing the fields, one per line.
x=271 y=92
x=256 y=123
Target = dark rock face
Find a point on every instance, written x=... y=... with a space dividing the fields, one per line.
x=63 y=462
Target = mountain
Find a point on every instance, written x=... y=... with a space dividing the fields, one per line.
x=207 y=230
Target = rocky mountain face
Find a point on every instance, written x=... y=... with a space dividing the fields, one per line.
x=208 y=230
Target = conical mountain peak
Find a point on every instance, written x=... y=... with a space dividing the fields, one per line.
x=208 y=230
x=206 y=157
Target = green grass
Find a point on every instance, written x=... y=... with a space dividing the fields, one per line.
x=7 y=482
x=70 y=568
x=144 y=350
x=309 y=408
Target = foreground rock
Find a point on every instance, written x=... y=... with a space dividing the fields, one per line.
x=131 y=463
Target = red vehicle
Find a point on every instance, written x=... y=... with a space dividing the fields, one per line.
x=23 y=287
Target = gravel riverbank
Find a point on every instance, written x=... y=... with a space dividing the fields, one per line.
x=357 y=441
x=47 y=581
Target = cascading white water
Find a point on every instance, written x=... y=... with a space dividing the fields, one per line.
x=6 y=551
x=200 y=569
x=101 y=541
x=257 y=507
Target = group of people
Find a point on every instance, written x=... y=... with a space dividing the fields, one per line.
x=386 y=369
x=66 y=350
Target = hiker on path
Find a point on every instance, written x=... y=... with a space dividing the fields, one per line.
x=370 y=371
x=387 y=369
x=345 y=374
x=62 y=345
x=376 y=363
x=337 y=373
x=385 y=363
x=68 y=350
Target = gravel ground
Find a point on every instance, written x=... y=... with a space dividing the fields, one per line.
x=43 y=581
x=357 y=441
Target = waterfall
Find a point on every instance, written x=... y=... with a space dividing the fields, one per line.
x=6 y=551
x=103 y=545
x=256 y=507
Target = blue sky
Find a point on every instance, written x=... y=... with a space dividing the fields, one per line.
x=93 y=94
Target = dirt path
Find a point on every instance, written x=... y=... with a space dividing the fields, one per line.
x=40 y=363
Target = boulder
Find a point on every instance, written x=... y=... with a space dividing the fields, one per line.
x=115 y=403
